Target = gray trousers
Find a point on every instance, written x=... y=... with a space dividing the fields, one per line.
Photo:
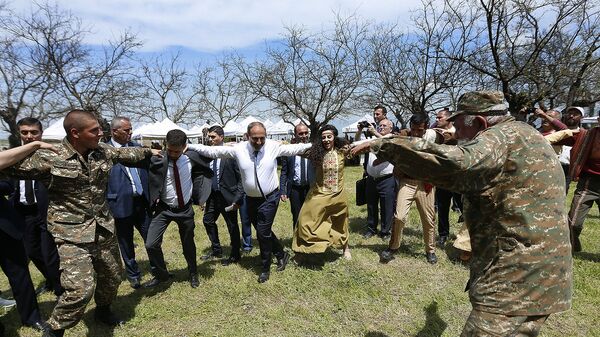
x=586 y=194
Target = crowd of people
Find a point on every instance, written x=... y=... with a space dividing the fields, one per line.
x=76 y=204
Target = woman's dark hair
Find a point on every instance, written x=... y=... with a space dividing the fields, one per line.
x=317 y=151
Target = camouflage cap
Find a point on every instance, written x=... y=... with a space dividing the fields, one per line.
x=484 y=103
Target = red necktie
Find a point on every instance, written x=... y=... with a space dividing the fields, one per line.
x=178 y=185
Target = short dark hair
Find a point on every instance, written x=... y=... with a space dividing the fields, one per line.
x=217 y=129
x=417 y=119
x=379 y=106
x=30 y=121
x=74 y=119
x=176 y=137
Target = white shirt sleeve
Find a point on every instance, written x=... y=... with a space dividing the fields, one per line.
x=213 y=151
x=292 y=149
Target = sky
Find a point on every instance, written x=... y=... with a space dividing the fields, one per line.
x=204 y=29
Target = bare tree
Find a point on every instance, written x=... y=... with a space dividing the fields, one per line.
x=169 y=90
x=222 y=94
x=311 y=77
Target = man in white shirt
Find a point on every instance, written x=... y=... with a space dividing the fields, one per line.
x=382 y=191
x=256 y=159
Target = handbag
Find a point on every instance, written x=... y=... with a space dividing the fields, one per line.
x=361 y=192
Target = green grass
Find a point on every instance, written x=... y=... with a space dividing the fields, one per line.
x=407 y=297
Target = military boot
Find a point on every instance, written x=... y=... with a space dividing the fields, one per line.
x=53 y=333
x=104 y=315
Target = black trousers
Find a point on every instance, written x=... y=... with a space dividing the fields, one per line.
x=262 y=213
x=381 y=201
x=215 y=206
x=15 y=265
x=443 y=199
x=40 y=247
x=161 y=220
x=140 y=220
x=297 y=195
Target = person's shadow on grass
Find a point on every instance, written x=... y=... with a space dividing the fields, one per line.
x=434 y=324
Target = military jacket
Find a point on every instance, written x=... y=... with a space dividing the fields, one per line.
x=76 y=186
x=514 y=195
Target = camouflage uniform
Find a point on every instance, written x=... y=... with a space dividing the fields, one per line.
x=79 y=220
x=513 y=188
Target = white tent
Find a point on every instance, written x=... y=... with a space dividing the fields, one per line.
x=232 y=129
x=160 y=129
x=55 y=131
x=281 y=128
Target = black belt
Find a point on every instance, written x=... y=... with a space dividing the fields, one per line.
x=383 y=177
x=300 y=186
x=266 y=196
x=166 y=207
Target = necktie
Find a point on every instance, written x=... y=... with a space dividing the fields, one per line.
x=135 y=176
x=215 y=178
x=302 y=171
x=29 y=198
x=180 y=203
x=256 y=174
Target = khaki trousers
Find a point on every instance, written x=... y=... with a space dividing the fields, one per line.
x=413 y=190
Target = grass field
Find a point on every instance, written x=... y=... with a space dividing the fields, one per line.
x=407 y=297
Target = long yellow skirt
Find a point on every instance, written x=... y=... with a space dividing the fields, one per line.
x=322 y=222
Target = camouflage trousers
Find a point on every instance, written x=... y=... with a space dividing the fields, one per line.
x=480 y=324
x=86 y=267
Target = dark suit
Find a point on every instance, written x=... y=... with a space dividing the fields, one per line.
x=184 y=216
x=13 y=259
x=129 y=210
x=226 y=192
x=296 y=191
x=39 y=243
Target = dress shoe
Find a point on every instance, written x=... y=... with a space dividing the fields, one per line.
x=442 y=240
x=368 y=234
x=387 y=255
x=194 y=282
x=135 y=283
x=44 y=288
x=247 y=250
x=54 y=333
x=385 y=236
x=431 y=258
x=211 y=256
x=230 y=260
x=461 y=219
x=105 y=315
x=6 y=303
x=282 y=263
x=263 y=277
x=39 y=325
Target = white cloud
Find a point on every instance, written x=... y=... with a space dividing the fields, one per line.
x=215 y=25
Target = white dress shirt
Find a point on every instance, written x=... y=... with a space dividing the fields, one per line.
x=169 y=193
x=243 y=153
x=380 y=170
x=22 y=196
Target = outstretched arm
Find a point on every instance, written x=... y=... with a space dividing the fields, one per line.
x=15 y=155
x=213 y=151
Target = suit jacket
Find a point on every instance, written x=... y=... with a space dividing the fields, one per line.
x=120 y=192
x=287 y=174
x=230 y=181
x=11 y=222
x=40 y=191
x=201 y=175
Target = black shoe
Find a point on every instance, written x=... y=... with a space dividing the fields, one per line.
x=442 y=240
x=247 y=250
x=368 y=234
x=230 y=260
x=44 y=288
x=263 y=277
x=135 y=283
x=387 y=255
x=211 y=256
x=385 y=236
x=461 y=219
x=104 y=315
x=54 y=333
x=431 y=258
x=194 y=282
x=282 y=263
x=152 y=283
x=39 y=325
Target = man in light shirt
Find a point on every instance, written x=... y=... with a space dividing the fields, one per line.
x=256 y=159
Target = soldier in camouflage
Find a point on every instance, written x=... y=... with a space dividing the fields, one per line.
x=513 y=187
x=78 y=217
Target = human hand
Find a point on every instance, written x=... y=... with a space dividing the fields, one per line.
x=156 y=152
x=45 y=146
x=360 y=148
x=283 y=198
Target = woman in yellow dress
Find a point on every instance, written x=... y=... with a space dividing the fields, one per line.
x=323 y=219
